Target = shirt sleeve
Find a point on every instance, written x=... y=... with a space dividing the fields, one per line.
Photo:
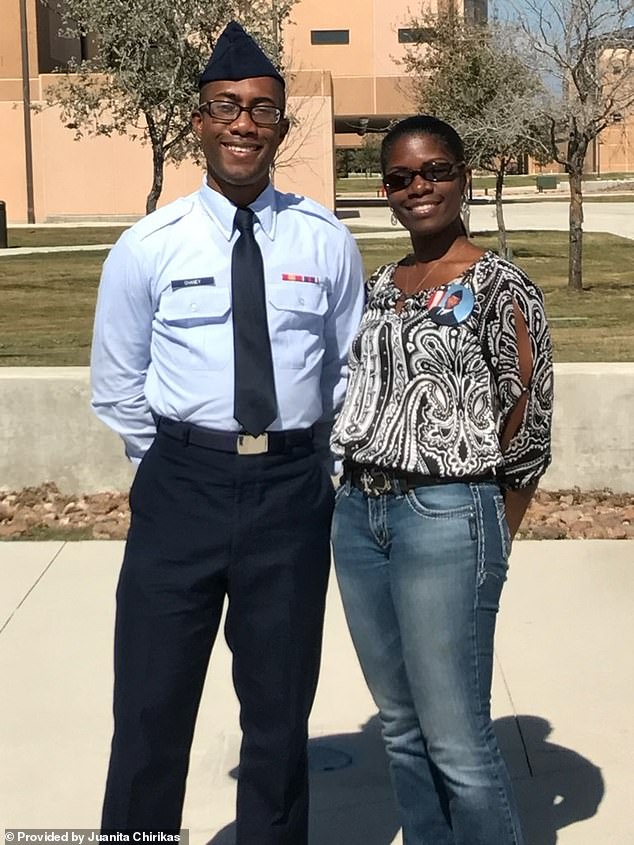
x=121 y=347
x=346 y=300
x=528 y=453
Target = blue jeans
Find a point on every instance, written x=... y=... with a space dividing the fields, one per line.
x=420 y=575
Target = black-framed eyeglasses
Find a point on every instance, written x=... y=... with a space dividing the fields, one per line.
x=228 y=111
x=431 y=171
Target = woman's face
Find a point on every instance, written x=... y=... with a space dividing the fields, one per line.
x=424 y=207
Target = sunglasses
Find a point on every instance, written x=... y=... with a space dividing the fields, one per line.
x=433 y=171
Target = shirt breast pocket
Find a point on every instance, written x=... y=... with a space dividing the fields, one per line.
x=195 y=322
x=296 y=315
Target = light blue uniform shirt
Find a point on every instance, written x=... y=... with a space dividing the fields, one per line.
x=163 y=337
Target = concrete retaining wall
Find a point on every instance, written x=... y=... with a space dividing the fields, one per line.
x=50 y=434
x=593 y=428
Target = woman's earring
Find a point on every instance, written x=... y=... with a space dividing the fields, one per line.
x=393 y=219
x=464 y=213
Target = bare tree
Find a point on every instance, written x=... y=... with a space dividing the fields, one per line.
x=587 y=49
x=475 y=77
x=143 y=80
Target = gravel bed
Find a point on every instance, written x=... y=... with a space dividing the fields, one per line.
x=45 y=513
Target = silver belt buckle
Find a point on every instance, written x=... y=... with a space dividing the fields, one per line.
x=248 y=444
x=376 y=483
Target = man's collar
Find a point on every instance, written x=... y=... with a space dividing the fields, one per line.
x=222 y=211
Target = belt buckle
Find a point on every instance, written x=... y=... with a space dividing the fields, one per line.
x=375 y=483
x=249 y=444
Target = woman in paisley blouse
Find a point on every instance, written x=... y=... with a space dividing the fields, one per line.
x=444 y=434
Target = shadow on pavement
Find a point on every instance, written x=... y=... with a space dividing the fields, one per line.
x=226 y=836
x=351 y=796
x=558 y=786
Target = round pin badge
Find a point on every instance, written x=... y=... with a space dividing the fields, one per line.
x=451 y=306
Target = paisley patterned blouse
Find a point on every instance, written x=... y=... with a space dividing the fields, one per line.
x=433 y=399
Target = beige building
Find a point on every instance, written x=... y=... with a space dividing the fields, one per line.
x=362 y=44
x=346 y=79
x=45 y=175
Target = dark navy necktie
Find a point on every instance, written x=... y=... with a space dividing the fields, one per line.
x=255 y=403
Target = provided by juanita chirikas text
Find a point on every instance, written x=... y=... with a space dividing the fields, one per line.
x=25 y=836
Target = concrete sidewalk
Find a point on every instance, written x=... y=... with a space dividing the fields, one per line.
x=562 y=701
x=612 y=217
x=615 y=217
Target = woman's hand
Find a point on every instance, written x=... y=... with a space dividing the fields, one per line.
x=515 y=504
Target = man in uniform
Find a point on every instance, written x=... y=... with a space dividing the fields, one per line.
x=219 y=355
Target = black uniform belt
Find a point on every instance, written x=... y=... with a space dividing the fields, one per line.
x=377 y=481
x=271 y=442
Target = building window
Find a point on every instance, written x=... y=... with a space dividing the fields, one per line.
x=330 y=36
x=423 y=35
x=476 y=12
x=56 y=50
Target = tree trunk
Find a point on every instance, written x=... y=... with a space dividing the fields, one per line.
x=499 y=212
x=575 y=251
x=158 y=161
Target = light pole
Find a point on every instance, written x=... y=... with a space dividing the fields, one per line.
x=26 y=107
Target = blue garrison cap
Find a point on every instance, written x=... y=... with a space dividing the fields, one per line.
x=237 y=56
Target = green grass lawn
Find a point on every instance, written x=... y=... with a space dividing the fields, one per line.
x=481 y=181
x=63 y=235
x=594 y=325
x=48 y=300
x=48 y=306
x=552 y=197
x=354 y=184
x=359 y=184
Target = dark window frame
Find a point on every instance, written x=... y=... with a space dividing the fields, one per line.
x=326 y=37
x=409 y=35
x=56 y=51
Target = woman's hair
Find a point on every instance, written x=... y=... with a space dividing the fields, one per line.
x=422 y=124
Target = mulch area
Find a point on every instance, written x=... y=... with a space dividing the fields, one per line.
x=45 y=513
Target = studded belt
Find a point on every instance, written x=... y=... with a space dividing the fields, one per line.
x=380 y=481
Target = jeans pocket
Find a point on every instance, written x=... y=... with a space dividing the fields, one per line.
x=505 y=534
x=342 y=490
x=494 y=539
x=441 y=501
